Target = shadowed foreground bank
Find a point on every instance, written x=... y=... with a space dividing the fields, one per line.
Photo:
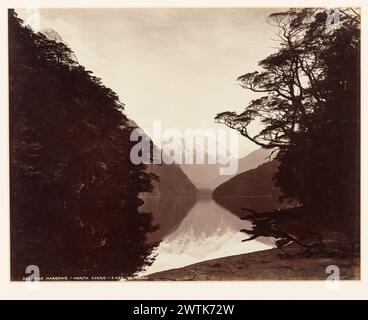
x=266 y=265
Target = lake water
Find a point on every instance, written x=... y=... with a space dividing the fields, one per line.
x=206 y=231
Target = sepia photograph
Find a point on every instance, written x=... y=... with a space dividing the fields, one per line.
x=150 y=145
x=184 y=144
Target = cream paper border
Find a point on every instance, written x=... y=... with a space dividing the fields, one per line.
x=240 y=290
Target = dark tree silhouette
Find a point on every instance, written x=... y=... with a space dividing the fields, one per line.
x=74 y=190
x=310 y=112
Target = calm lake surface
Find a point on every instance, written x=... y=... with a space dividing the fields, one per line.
x=205 y=231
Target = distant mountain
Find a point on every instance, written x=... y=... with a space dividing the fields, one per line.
x=51 y=34
x=255 y=159
x=54 y=36
x=172 y=197
x=207 y=176
x=255 y=182
x=251 y=189
x=172 y=180
x=250 y=161
x=200 y=174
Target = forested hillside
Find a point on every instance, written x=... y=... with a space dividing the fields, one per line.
x=74 y=190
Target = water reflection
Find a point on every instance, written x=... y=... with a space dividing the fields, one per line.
x=258 y=203
x=168 y=212
x=208 y=231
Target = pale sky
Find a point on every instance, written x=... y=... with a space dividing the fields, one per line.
x=178 y=66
